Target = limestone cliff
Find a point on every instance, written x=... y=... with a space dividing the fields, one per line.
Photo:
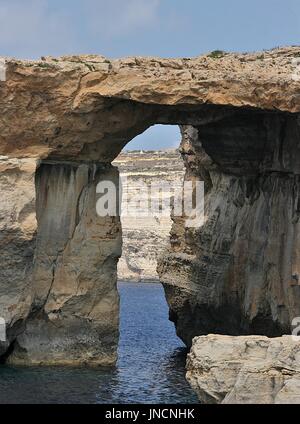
x=239 y=272
x=73 y=314
x=70 y=117
x=145 y=238
x=18 y=233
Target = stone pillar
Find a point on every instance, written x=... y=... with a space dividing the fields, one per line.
x=73 y=318
x=239 y=272
x=17 y=242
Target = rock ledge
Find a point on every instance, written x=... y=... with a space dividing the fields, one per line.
x=245 y=370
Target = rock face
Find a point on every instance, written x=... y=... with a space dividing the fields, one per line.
x=243 y=370
x=18 y=232
x=70 y=117
x=60 y=306
x=89 y=107
x=145 y=238
x=74 y=307
x=239 y=272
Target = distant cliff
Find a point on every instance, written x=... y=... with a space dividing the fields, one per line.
x=145 y=239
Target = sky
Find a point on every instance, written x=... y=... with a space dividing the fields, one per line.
x=167 y=28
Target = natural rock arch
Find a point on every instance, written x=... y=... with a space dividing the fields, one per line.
x=72 y=116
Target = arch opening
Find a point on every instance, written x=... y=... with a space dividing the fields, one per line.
x=151 y=160
x=149 y=165
x=242 y=154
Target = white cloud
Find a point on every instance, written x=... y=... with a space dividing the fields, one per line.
x=120 y=17
x=28 y=28
x=31 y=28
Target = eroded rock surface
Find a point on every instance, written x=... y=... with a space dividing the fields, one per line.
x=17 y=240
x=74 y=311
x=241 y=370
x=58 y=291
x=89 y=107
x=238 y=273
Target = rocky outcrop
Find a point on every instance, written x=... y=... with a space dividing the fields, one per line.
x=74 y=305
x=17 y=240
x=237 y=273
x=89 y=107
x=243 y=370
x=145 y=238
x=60 y=305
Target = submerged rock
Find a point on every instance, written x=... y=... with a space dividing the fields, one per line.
x=245 y=369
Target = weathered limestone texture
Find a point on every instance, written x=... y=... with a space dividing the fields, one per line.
x=145 y=238
x=238 y=273
x=245 y=369
x=17 y=239
x=74 y=311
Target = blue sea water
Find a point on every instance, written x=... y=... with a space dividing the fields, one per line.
x=150 y=368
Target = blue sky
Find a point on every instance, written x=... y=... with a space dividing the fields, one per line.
x=168 y=28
